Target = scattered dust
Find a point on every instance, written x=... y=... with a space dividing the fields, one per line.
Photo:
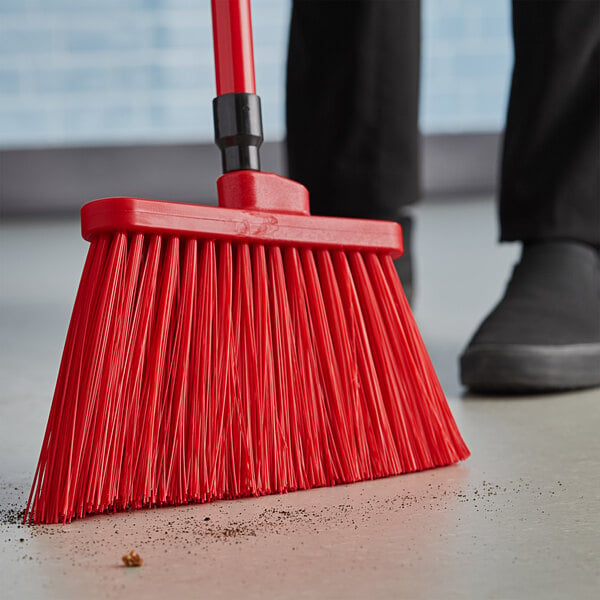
x=12 y=507
x=188 y=531
x=12 y=515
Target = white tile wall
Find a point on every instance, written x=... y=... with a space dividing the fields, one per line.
x=118 y=71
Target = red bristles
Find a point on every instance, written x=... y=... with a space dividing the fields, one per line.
x=197 y=369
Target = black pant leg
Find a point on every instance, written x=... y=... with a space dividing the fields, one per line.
x=352 y=105
x=550 y=186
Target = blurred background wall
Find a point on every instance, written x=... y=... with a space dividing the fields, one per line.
x=115 y=73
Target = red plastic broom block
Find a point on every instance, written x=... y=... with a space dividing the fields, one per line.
x=269 y=208
x=220 y=353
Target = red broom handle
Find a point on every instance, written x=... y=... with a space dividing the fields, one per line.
x=234 y=54
x=238 y=122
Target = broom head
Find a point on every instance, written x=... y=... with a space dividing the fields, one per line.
x=239 y=350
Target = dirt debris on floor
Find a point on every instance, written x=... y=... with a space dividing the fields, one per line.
x=187 y=528
x=132 y=559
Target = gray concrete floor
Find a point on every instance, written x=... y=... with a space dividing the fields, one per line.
x=519 y=519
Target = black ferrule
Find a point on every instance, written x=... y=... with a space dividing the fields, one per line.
x=238 y=130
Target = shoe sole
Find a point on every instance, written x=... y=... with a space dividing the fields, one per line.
x=533 y=369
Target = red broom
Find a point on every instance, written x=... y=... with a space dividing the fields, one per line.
x=235 y=351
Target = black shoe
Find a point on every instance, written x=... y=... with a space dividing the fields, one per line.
x=544 y=335
x=404 y=264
